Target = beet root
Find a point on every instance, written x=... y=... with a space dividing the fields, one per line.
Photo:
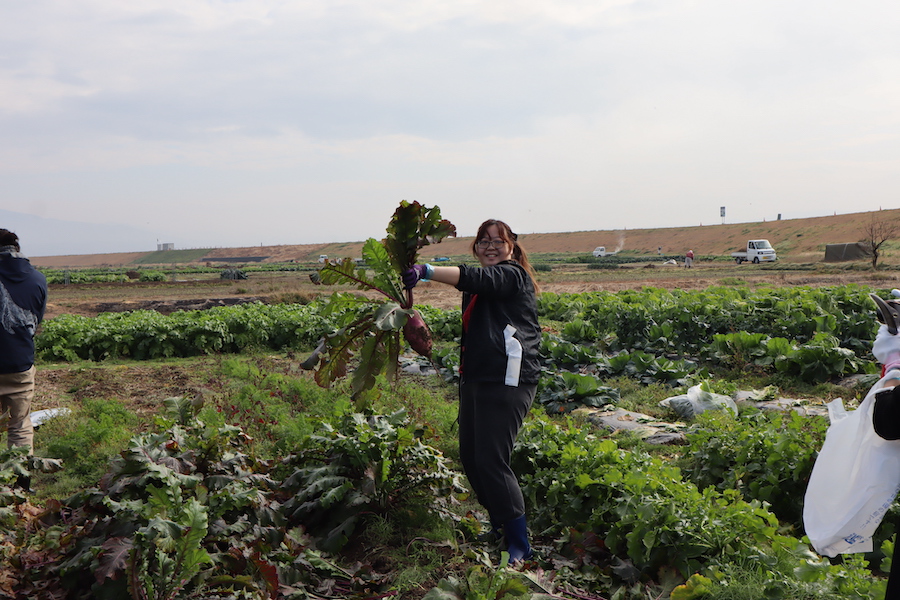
x=418 y=335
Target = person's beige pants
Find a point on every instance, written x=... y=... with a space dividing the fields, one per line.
x=16 y=393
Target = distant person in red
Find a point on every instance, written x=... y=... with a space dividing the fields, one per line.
x=689 y=259
x=23 y=299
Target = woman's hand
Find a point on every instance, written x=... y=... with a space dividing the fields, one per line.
x=415 y=274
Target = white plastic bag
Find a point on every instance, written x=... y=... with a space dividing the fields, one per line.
x=853 y=482
x=696 y=401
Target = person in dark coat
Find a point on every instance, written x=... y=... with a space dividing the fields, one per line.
x=23 y=300
x=499 y=370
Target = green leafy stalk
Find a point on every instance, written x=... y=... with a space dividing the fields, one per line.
x=375 y=330
x=384 y=280
x=413 y=227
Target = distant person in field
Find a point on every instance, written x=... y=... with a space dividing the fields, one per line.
x=689 y=259
x=499 y=370
x=23 y=299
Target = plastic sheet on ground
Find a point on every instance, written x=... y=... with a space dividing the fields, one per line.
x=698 y=401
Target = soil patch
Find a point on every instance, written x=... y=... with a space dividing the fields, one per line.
x=141 y=386
x=167 y=307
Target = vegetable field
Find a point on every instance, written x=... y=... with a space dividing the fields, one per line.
x=199 y=460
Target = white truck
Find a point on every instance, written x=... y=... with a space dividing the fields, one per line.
x=600 y=251
x=757 y=251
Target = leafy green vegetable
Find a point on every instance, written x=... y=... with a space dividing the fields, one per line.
x=367 y=464
x=188 y=513
x=563 y=391
x=374 y=333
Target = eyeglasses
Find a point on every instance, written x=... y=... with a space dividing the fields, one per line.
x=485 y=244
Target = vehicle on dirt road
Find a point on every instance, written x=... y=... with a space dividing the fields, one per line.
x=600 y=252
x=757 y=251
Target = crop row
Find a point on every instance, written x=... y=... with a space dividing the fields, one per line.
x=686 y=320
x=145 y=334
x=652 y=334
x=140 y=273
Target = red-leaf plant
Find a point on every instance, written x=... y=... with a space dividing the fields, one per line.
x=373 y=328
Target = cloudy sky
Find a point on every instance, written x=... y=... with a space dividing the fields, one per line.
x=232 y=123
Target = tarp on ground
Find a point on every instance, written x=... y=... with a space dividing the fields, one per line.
x=841 y=252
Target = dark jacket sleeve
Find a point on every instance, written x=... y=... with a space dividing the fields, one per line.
x=503 y=280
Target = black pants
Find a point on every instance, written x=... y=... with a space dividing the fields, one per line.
x=490 y=416
x=893 y=585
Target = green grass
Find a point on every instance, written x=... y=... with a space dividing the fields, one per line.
x=416 y=545
x=86 y=440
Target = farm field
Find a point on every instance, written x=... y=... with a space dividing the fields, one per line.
x=613 y=516
x=195 y=290
x=796 y=240
x=800 y=244
x=203 y=291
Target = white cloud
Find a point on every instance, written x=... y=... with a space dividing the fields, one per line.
x=178 y=116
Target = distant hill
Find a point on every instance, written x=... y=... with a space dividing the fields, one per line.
x=796 y=240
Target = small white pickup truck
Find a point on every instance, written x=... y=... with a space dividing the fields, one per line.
x=757 y=251
x=600 y=251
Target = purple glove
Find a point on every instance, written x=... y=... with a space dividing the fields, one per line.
x=414 y=275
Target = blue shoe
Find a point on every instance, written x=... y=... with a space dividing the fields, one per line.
x=516 y=534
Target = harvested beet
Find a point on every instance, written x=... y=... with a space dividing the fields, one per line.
x=418 y=335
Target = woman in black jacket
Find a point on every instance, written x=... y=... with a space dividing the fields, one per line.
x=499 y=370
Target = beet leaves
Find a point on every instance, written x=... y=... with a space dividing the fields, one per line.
x=370 y=329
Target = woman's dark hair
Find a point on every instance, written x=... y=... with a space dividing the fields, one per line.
x=518 y=252
x=8 y=238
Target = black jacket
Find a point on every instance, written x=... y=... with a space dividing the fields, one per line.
x=23 y=299
x=886 y=413
x=495 y=298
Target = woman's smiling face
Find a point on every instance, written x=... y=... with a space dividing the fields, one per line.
x=498 y=251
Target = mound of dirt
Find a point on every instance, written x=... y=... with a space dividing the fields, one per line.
x=167 y=307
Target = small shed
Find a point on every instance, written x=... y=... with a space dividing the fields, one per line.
x=844 y=252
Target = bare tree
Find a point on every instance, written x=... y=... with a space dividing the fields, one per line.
x=877 y=231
